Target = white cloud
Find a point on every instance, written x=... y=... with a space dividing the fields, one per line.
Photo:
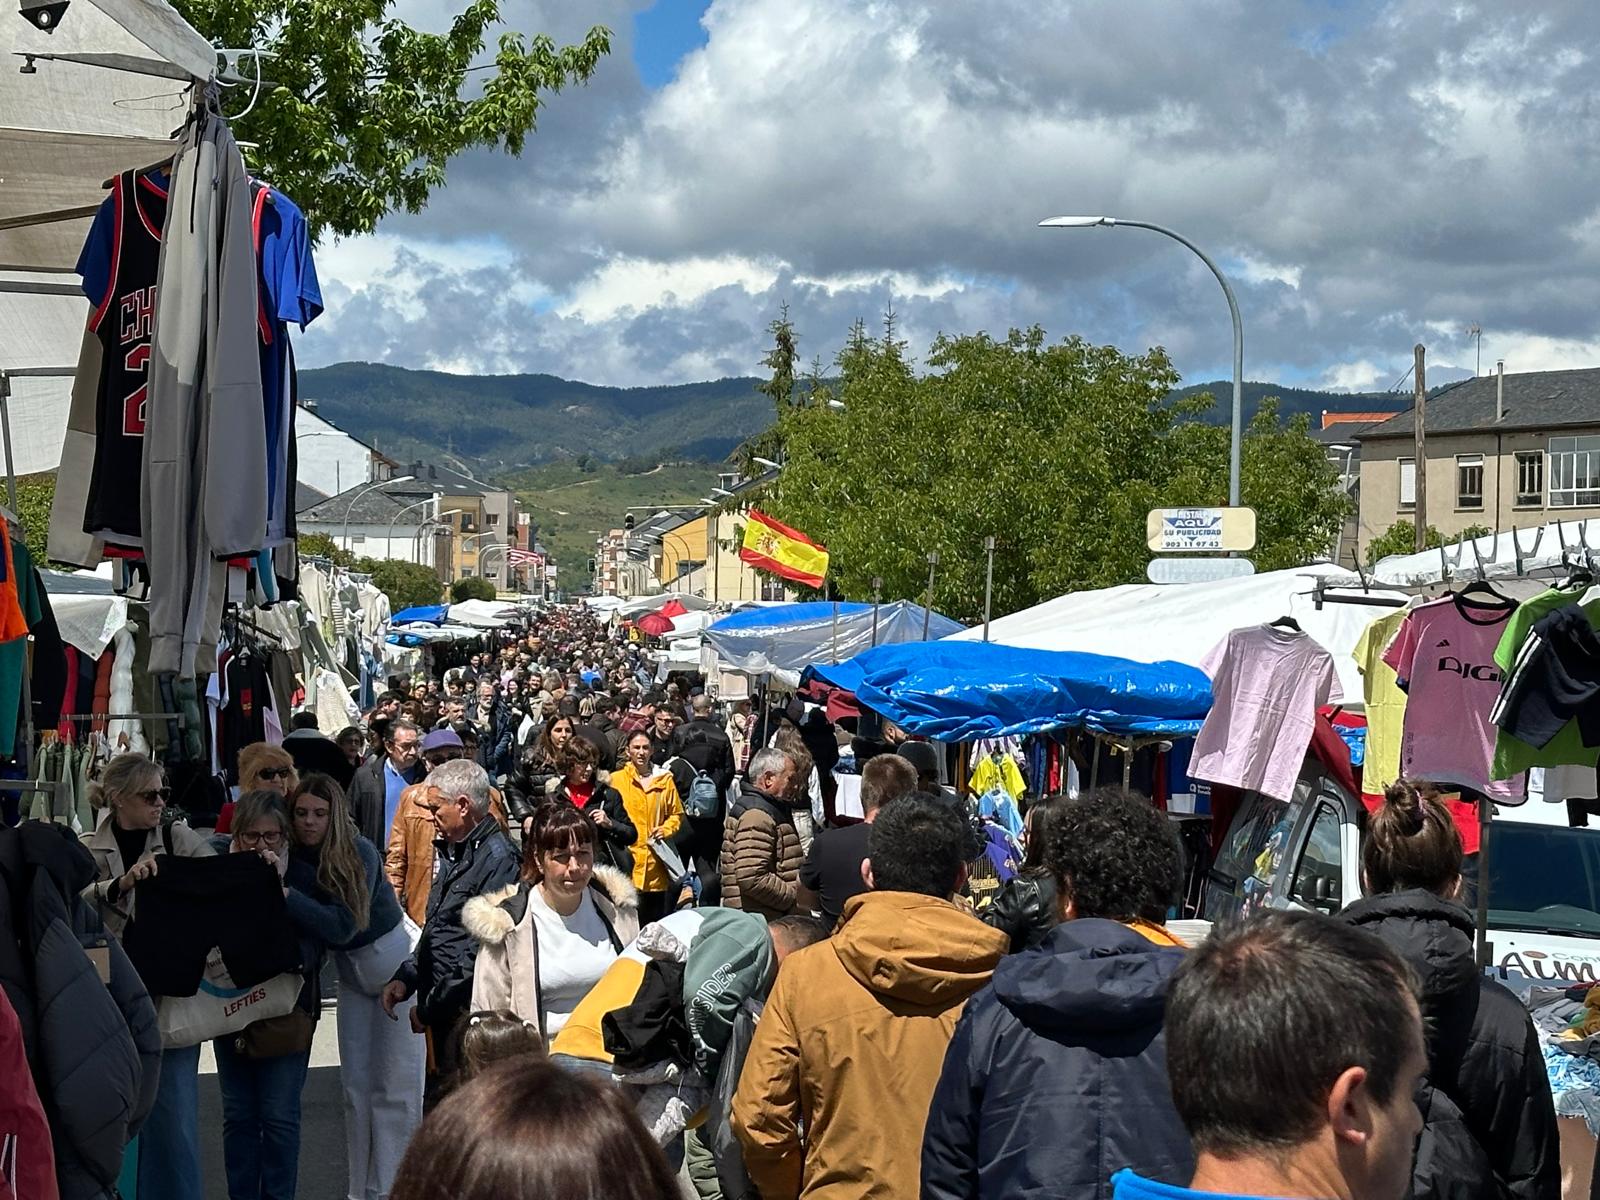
x=833 y=154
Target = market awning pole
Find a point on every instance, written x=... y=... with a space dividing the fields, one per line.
x=1485 y=819
x=1127 y=768
x=988 y=584
x=927 y=608
x=835 y=631
x=877 y=597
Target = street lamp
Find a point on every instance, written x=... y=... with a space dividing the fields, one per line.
x=1233 y=311
x=766 y=462
x=372 y=487
x=388 y=538
x=720 y=492
x=836 y=404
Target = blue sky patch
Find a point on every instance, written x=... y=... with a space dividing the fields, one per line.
x=663 y=34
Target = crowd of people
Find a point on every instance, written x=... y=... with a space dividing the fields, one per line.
x=531 y=843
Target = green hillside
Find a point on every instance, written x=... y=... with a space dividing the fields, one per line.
x=570 y=506
x=500 y=423
x=1291 y=400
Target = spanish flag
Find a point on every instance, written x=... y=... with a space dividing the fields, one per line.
x=785 y=552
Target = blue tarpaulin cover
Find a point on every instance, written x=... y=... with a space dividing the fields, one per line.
x=790 y=637
x=424 y=614
x=960 y=691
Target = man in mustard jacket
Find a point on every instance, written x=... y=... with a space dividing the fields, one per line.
x=850 y=1045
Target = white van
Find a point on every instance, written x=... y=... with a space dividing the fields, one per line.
x=1544 y=876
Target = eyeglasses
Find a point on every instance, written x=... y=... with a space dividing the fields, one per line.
x=253 y=839
x=275 y=773
x=155 y=796
x=445 y=756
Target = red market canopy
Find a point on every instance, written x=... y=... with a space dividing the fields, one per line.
x=672 y=608
x=655 y=624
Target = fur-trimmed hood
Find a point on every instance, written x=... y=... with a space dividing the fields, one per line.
x=491 y=917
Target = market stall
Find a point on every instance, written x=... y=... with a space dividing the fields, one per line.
x=1145 y=622
x=783 y=640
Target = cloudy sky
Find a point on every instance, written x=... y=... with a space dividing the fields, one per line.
x=1368 y=174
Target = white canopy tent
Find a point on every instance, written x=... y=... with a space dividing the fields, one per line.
x=485 y=614
x=100 y=94
x=1149 y=622
x=637 y=606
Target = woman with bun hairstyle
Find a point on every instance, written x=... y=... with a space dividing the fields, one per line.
x=1489 y=1124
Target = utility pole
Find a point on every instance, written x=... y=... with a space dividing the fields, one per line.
x=1420 y=470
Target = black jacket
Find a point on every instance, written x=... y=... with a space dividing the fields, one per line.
x=1025 y=909
x=1057 y=1074
x=617 y=839
x=1486 y=1099
x=439 y=970
x=705 y=747
x=528 y=785
x=366 y=799
x=95 y=1049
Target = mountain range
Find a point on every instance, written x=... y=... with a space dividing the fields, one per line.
x=498 y=425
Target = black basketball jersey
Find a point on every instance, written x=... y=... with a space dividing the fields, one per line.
x=123 y=321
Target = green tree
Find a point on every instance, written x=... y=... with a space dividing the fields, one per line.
x=362 y=111
x=472 y=588
x=35 y=495
x=322 y=545
x=1058 y=451
x=1401 y=538
x=406 y=584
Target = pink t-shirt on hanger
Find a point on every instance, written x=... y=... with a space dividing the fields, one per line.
x=1444 y=658
x=1266 y=686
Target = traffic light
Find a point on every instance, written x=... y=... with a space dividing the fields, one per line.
x=627 y=522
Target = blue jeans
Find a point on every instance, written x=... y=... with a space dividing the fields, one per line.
x=169 y=1142
x=260 y=1121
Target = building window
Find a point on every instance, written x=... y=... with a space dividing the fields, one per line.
x=492 y=520
x=1574 y=472
x=358 y=539
x=1530 y=479
x=1469 y=481
x=466 y=572
x=1408 y=483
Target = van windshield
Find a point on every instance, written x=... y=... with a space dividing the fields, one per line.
x=1542 y=879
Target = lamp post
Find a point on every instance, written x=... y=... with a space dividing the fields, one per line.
x=372 y=487
x=988 y=583
x=388 y=538
x=927 y=609
x=1233 y=311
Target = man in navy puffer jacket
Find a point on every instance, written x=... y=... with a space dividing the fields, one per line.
x=1057 y=1075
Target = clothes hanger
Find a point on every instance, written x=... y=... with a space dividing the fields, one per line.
x=1286 y=622
x=1482 y=587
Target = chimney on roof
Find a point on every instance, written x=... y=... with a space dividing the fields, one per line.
x=416 y=467
x=433 y=472
x=1500 y=389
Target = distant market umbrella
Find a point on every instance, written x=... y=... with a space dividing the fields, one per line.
x=655 y=624
x=672 y=608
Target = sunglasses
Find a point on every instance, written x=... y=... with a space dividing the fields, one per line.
x=155 y=796
x=445 y=756
x=275 y=773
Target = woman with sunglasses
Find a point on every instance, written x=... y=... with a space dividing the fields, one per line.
x=262 y=768
x=128 y=835
x=261 y=1084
